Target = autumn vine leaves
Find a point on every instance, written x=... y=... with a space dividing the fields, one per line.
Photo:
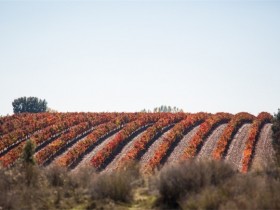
x=255 y=129
x=53 y=132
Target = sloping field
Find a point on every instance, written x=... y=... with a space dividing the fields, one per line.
x=108 y=141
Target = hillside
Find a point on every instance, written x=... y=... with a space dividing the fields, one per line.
x=108 y=141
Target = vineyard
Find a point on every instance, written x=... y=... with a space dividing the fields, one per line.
x=109 y=141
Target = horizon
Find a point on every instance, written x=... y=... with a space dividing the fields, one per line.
x=126 y=56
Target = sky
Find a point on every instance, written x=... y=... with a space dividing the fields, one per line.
x=211 y=56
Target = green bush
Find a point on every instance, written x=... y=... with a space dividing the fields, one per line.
x=28 y=152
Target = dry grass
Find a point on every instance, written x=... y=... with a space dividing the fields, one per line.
x=117 y=185
x=215 y=185
x=175 y=182
x=192 y=185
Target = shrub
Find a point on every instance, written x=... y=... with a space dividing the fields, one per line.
x=84 y=176
x=276 y=135
x=117 y=186
x=28 y=152
x=56 y=176
x=241 y=191
x=177 y=181
x=6 y=200
x=23 y=187
x=251 y=192
x=209 y=198
x=67 y=187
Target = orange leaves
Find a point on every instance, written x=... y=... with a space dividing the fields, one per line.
x=255 y=129
x=233 y=126
x=13 y=155
x=141 y=143
x=53 y=131
x=144 y=119
x=18 y=121
x=64 y=139
x=176 y=133
x=204 y=130
x=30 y=125
x=80 y=147
x=63 y=122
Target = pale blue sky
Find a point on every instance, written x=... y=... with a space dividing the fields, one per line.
x=128 y=55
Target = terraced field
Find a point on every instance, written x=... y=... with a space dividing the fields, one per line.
x=108 y=141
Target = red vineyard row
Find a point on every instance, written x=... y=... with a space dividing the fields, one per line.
x=53 y=133
x=62 y=125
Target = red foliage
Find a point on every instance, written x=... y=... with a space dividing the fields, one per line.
x=62 y=125
x=30 y=126
x=62 y=128
x=67 y=137
x=16 y=121
x=175 y=133
x=80 y=147
x=232 y=127
x=99 y=158
x=140 y=144
x=255 y=129
x=204 y=130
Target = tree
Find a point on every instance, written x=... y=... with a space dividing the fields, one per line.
x=30 y=104
x=29 y=164
x=28 y=152
x=50 y=110
x=164 y=108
